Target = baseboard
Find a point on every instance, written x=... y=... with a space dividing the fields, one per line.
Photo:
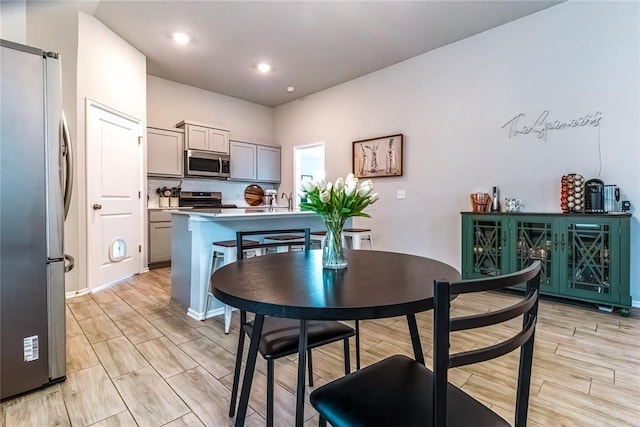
x=198 y=315
x=99 y=288
x=74 y=294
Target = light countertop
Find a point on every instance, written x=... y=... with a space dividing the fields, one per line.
x=243 y=213
x=169 y=208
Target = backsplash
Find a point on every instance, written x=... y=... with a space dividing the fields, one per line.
x=232 y=191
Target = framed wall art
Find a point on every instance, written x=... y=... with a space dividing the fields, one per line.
x=378 y=157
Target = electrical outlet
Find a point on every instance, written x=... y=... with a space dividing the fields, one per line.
x=400 y=194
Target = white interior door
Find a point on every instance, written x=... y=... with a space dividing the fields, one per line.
x=308 y=163
x=114 y=174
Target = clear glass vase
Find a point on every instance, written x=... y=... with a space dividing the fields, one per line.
x=334 y=250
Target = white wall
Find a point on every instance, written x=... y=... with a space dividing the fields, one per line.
x=13 y=22
x=572 y=59
x=113 y=73
x=56 y=29
x=169 y=103
x=96 y=64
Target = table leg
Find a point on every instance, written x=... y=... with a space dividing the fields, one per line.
x=415 y=338
x=357 y=345
x=302 y=352
x=249 y=369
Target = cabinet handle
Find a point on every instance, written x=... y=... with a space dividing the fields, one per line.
x=562 y=241
x=555 y=241
x=96 y=207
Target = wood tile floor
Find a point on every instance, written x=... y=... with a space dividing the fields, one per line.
x=135 y=358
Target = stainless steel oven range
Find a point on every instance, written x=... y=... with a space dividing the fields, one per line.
x=199 y=200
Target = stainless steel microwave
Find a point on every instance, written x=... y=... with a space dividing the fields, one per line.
x=206 y=164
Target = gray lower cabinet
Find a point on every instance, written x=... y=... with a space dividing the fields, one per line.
x=159 y=239
x=254 y=162
x=164 y=152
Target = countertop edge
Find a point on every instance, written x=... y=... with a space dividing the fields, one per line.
x=243 y=214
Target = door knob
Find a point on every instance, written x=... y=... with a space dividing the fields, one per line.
x=96 y=206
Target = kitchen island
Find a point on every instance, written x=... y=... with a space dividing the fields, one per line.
x=192 y=234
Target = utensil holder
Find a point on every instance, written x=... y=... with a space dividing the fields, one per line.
x=480 y=202
x=163 y=202
x=174 y=202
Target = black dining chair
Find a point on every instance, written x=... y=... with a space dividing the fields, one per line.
x=402 y=392
x=280 y=337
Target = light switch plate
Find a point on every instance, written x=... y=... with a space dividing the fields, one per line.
x=400 y=194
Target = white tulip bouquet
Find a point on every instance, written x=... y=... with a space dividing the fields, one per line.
x=335 y=203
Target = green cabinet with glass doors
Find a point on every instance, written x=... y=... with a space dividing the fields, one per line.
x=584 y=256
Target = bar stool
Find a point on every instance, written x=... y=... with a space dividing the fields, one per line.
x=318 y=237
x=286 y=240
x=223 y=253
x=356 y=235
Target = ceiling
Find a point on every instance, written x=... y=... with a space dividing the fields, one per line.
x=312 y=45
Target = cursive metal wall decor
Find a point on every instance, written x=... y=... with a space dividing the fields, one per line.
x=518 y=126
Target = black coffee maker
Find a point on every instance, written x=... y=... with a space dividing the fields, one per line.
x=594 y=196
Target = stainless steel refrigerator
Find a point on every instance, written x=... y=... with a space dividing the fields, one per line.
x=35 y=189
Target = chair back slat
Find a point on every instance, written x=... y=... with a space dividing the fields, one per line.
x=495 y=283
x=494 y=351
x=443 y=325
x=241 y=234
x=495 y=317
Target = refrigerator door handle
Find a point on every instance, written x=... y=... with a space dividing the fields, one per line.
x=72 y=262
x=67 y=152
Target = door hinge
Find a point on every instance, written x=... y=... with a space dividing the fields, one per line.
x=140 y=140
x=139 y=194
x=140 y=248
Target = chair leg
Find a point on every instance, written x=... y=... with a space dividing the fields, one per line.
x=228 y=310
x=205 y=293
x=357 y=345
x=270 y=381
x=347 y=357
x=310 y=366
x=213 y=266
x=236 y=372
x=322 y=422
x=524 y=383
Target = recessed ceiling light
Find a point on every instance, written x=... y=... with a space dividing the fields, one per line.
x=181 y=38
x=263 y=67
x=291 y=89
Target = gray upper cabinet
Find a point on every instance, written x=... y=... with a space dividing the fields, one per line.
x=164 y=152
x=254 y=162
x=268 y=163
x=243 y=161
x=203 y=137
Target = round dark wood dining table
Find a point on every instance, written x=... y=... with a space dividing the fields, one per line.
x=294 y=285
